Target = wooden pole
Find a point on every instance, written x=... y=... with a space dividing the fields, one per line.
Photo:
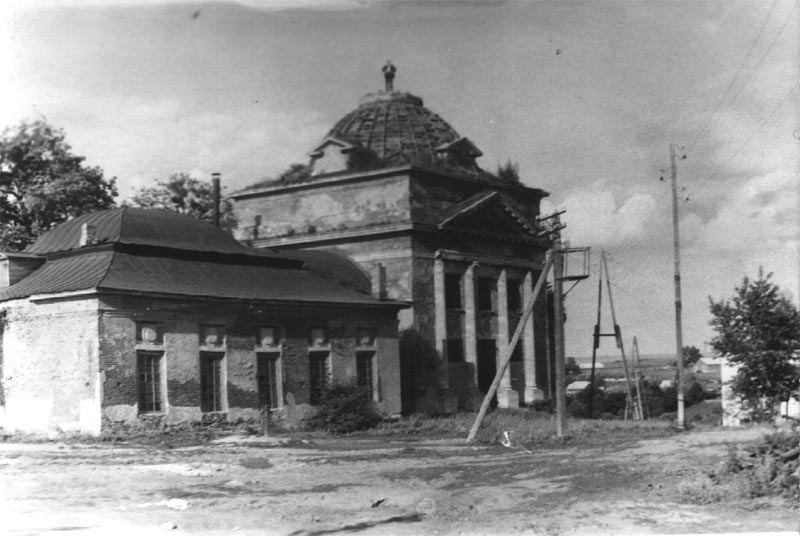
x=621 y=346
x=558 y=306
x=596 y=338
x=681 y=421
x=509 y=350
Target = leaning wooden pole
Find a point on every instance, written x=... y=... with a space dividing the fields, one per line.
x=509 y=350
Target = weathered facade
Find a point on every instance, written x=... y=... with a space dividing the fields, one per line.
x=128 y=314
x=395 y=188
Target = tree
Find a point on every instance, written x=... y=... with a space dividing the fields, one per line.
x=508 y=172
x=759 y=329
x=691 y=355
x=42 y=183
x=186 y=195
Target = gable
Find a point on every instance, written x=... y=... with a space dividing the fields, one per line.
x=487 y=212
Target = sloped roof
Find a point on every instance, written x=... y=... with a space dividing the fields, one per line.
x=173 y=254
x=128 y=225
x=117 y=271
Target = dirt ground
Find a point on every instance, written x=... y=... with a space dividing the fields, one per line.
x=374 y=486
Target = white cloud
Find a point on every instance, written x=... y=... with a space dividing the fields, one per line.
x=594 y=216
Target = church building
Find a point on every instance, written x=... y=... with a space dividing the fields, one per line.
x=395 y=188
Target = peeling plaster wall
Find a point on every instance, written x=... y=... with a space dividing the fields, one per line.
x=324 y=207
x=51 y=376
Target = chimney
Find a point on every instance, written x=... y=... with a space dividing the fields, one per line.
x=88 y=235
x=215 y=184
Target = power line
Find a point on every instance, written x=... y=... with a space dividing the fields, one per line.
x=757 y=130
x=703 y=130
x=760 y=61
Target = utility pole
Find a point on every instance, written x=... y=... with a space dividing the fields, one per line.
x=618 y=336
x=681 y=422
x=596 y=338
x=558 y=310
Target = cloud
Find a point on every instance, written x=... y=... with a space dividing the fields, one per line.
x=595 y=218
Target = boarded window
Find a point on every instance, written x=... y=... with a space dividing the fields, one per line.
x=268 y=380
x=452 y=291
x=211 y=381
x=514 y=296
x=365 y=368
x=486 y=288
x=148 y=373
x=318 y=373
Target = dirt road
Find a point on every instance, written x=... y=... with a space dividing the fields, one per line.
x=373 y=486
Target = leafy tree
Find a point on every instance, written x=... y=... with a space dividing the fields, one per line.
x=42 y=183
x=186 y=195
x=691 y=355
x=759 y=330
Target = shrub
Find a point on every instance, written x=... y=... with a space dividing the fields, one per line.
x=614 y=402
x=344 y=409
x=670 y=400
x=695 y=394
x=577 y=410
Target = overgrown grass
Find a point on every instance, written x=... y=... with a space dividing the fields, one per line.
x=749 y=473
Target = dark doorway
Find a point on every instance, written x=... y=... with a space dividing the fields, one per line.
x=487 y=366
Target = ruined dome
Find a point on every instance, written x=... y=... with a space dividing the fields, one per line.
x=392 y=124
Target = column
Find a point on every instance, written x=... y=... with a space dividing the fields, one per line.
x=440 y=321
x=470 y=320
x=532 y=391
x=506 y=397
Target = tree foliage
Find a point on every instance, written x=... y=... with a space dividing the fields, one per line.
x=42 y=183
x=691 y=355
x=759 y=329
x=508 y=172
x=186 y=195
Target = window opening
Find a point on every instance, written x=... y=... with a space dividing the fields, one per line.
x=211 y=381
x=268 y=395
x=318 y=371
x=148 y=371
x=486 y=288
x=365 y=368
x=452 y=291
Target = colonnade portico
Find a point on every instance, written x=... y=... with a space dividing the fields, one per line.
x=465 y=333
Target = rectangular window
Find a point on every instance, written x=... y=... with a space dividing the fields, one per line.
x=486 y=288
x=365 y=368
x=211 y=381
x=148 y=373
x=514 y=296
x=318 y=372
x=455 y=350
x=268 y=380
x=452 y=291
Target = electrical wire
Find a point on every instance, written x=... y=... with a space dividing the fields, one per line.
x=703 y=130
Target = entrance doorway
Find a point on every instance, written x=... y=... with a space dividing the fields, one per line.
x=487 y=366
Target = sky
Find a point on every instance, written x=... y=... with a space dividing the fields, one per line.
x=586 y=96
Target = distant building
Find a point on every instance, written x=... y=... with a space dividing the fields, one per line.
x=395 y=188
x=709 y=365
x=128 y=315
